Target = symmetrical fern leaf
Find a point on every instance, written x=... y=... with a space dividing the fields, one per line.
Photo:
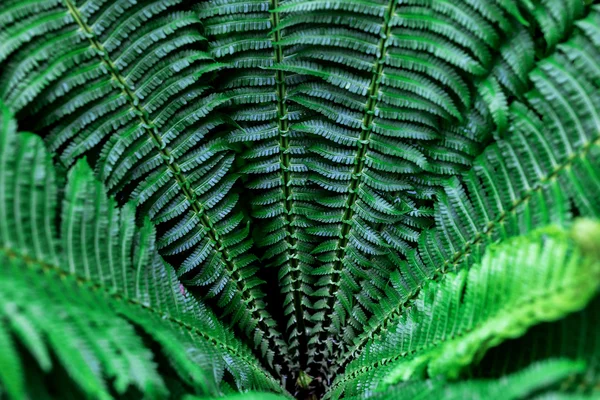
x=401 y=177
x=82 y=295
x=130 y=82
x=246 y=37
x=524 y=181
x=405 y=93
x=524 y=281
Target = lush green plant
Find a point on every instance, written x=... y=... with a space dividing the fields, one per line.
x=344 y=198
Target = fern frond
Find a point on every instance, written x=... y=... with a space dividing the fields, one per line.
x=86 y=295
x=519 y=283
x=129 y=82
x=422 y=111
x=517 y=184
x=276 y=174
x=331 y=166
x=523 y=383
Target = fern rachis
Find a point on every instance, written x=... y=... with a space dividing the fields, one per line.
x=342 y=198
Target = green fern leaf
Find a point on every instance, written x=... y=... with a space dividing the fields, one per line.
x=515 y=386
x=153 y=123
x=535 y=278
x=320 y=173
x=87 y=291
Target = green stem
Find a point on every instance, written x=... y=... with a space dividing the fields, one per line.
x=457 y=257
x=171 y=164
x=363 y=146
x=284 y=157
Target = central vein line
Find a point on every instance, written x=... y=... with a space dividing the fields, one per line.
x=172 y=165
x=363 y=146
x=48 y=268
x=395 y=312
x=284 y=158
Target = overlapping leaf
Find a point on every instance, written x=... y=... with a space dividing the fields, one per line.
x=402 y=95
x=519 y=283
x=129 y=82
x=527 y=180
x=246 y=37
x=363 y=149
x=90 y=297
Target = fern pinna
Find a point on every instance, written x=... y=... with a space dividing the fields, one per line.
x=271 y=198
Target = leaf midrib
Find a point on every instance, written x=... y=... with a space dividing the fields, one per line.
x=284 y=157
x=173 y=166
x=528 y=304
x=35 y=264
x=363 y=146
x=394 y=312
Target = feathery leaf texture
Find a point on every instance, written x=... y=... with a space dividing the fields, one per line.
x=518 y=183
x=521 y=282
x=518 y=385
x=87 y=293
x=340 y=198
x=124 y=80
x=273 y=162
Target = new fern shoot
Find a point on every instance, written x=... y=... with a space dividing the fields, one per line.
x=274 y=199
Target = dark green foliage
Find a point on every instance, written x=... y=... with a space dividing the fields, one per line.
x=363 y=198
